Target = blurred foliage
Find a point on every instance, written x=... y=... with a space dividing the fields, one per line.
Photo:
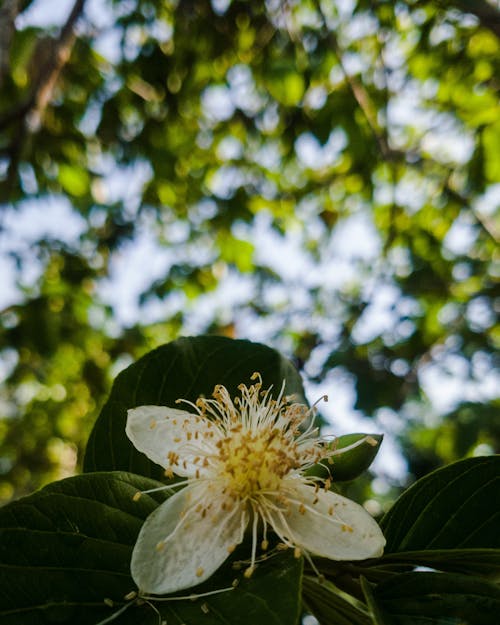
x=228 y=131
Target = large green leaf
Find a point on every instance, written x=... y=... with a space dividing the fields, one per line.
x=456 y=507
x=65 y=555
x=482 y=562
x=186 y=368
x=436 y=599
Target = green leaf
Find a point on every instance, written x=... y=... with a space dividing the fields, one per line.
x=332 y=606
x=186 y=368
x=351 y=464
x=454 y=507
x=378 y=615
x=75 y=180
x=438 y=599
x=481 y=562
x=66 y=549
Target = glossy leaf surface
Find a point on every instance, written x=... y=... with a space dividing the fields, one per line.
x=65 y=556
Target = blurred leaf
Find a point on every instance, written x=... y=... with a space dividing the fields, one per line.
x=74 y=180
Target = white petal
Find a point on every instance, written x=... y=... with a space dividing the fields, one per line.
x=159 y=431
x=179 y=546
x=328 y=525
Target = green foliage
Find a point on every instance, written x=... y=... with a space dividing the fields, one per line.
x=464 y=493
x=75 y=539
x=428 y=598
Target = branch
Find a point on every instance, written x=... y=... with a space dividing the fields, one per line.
x=487 y=225
x=360 y=94
x=8 y=13
x=51 y=56
x=50 y=70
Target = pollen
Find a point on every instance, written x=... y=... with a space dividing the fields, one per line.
x=199 y=571
x=347 y=528
x=152 y=424
x=253 y=461
x=137 y=496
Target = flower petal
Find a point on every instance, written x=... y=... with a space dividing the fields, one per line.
x=327 y=524
x=172 y=438
x=184 y=541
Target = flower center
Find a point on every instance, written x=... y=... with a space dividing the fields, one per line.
x=255 y=462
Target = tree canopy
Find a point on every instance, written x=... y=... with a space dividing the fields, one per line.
x=318 y=176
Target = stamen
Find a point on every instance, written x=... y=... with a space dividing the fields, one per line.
x=191 y=597
x=366 y=439
x=131 y=595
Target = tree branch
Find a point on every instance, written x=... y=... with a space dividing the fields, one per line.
x=50 y=70
x=50 y=56
x=8 y=13
x=360 y=94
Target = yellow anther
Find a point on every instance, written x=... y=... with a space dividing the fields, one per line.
x=130 y=595
x=199 y=571
x=137 y=496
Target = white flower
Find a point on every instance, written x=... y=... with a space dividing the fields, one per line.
x=244 y=463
